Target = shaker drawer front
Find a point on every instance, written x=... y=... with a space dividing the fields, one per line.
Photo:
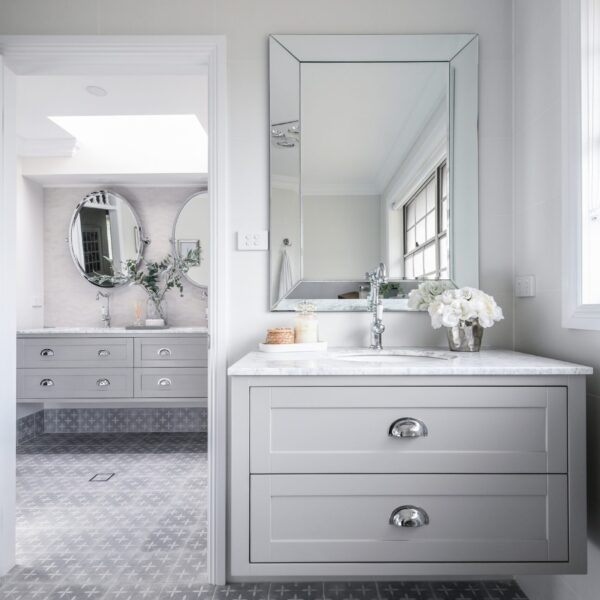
x=408 y=430
x=408 y=518
x=58 y=384
x=173 y=352
x=171 y=383
x=53 y=352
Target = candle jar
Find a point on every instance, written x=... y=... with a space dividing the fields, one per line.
x=306 y=328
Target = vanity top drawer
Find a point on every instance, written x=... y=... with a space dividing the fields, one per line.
x=59 y=384
x=171 y=383
x=408 y=430
x=54 y=352
x=171 y=351
x=408 y=518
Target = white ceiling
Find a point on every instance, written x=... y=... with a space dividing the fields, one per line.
x=39 y=97
x=360 y=120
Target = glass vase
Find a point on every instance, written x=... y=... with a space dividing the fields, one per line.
x=156 y=311
x=465 y=337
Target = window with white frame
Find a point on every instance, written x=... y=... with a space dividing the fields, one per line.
x=426 y=228
x=581 y=164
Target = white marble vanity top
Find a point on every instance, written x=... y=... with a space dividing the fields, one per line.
x=423 y=361
x=108 y=331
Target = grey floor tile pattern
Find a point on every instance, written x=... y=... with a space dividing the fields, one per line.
x=141 y=535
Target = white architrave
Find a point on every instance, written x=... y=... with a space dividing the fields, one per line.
x=153 y=55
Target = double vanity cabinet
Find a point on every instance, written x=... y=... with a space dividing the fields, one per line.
x=90 y=365
x=444 y=464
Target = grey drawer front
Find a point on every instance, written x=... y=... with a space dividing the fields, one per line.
x=171 y=351
x=53 y=352
x=56 y=384
x=171 y=383
x=469 y=430
x=345 y=518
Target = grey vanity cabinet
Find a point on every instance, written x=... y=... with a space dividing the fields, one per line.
x=387 y=476
x=113 y=364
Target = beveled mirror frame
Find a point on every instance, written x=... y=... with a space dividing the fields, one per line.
x=143 y=241
x=461 y=53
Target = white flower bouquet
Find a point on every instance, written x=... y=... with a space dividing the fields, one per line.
x=466 y=311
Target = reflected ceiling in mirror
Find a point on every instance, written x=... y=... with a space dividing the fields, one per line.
x=373 y=158
x=105 y=233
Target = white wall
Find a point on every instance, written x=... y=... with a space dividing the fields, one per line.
x=30 y=252
x=538 y=251
x=340 y=236
x=246 y=25
x=71 y=301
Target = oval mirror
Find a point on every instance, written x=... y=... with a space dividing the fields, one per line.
x=105 y=234
x=191 y=237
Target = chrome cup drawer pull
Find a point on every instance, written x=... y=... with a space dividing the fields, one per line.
x=103 y=383
x=164 y=382
x=164 y=352
x=47 y=352
x=46 y=383
x=409 y=516
x=408 y=428
x=103 y=353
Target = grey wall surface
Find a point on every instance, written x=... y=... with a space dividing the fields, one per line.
x=70 y=300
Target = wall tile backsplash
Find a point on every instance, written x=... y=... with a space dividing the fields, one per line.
x=111 y=420
x=70 y=300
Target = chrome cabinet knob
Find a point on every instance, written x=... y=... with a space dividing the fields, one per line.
x=103 y=382
x=164 y=382
x=408 y=427
x=103 y=352
x=164 y=352
x=46 y=383
x=409 y=516
x=47 y=352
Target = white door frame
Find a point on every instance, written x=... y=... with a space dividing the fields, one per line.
x=72 y=55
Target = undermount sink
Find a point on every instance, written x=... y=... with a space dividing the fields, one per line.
x=397 y=356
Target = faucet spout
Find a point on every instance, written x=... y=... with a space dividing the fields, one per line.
x=376 y=279
x=104 y=308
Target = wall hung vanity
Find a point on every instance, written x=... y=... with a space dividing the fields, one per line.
x=91 y=365
x=342 y=464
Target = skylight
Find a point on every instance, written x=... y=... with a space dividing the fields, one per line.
x=141 y=143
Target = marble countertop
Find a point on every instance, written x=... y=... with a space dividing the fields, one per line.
x=421 y=361
x=107 y=331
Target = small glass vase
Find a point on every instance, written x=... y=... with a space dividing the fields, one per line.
x=156 y=311
x=465 y=337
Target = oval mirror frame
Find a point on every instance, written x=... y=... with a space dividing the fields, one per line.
x=100 y=199
x=176 y=242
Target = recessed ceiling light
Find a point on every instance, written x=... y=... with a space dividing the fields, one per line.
x=96 y=90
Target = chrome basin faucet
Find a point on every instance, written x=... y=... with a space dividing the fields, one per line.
x=376 y=278
x=105 y=308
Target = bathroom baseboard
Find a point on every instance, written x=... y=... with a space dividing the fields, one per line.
x=111 y=420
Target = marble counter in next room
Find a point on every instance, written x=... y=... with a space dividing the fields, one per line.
x=333 y=362
x=108 y=332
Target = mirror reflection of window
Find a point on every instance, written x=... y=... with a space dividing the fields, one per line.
x=426 y=229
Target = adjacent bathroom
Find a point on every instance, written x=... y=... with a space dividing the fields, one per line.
x=112 y=339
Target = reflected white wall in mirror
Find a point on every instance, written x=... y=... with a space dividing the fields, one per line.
x=191 y=237
x=365 y=132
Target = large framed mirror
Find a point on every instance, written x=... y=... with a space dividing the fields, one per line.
x=190 y=238
x=373 y=158
x=105 y=233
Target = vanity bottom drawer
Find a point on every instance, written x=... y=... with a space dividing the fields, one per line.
x=74 y=383
x=171 y=383
x=451 y=518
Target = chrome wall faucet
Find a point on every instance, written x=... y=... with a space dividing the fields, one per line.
x=376 y=278
x=105 y=308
